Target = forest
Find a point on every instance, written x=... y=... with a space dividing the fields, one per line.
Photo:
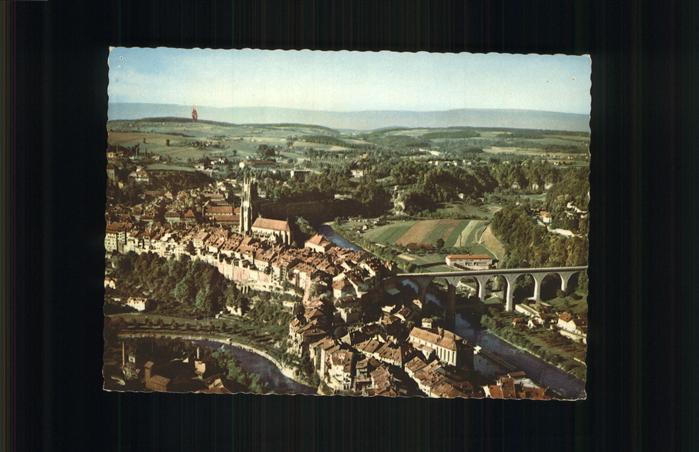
x=530 y=245
x=180 y=286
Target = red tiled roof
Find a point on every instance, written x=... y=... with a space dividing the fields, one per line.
x=447 y=339
x=318 y=240
x=274 y=225
x=117 y=227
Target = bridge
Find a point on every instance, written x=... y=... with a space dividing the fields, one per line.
x=510 y=275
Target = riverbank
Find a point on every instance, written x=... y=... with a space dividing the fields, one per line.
x=289 y=372
x=545 y=344
x=524 y=350
x=327 y=230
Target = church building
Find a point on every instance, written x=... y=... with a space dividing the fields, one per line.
x=252 y=223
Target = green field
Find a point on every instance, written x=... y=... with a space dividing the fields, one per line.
x=471 y=233
x=233 y=141
x=463 y=210
x=455 y=233
x=413 y=241
x=388 y=234
x=239 y=141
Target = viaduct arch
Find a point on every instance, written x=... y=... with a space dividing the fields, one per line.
x=510 y=275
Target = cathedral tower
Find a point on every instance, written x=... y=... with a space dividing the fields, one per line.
x=247 y=207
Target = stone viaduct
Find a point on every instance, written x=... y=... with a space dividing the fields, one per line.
x=510 y=275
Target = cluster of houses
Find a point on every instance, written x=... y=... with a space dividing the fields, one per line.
x=255 y=260
x=375 y=357
x=199 y=205
x=381 y=353
x=541 y=314
x=545 y=218
x=187 y=373
x=515 y=385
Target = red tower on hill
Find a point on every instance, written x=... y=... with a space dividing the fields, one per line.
x=195 y=115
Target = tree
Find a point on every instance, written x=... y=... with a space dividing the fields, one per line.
x=439 y=243
x=265 y=151
x=184 y=290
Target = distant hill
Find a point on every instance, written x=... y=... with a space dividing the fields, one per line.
x=361 y=120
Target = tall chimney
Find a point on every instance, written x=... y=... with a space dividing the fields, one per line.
x=123 y=354
x=197 y=353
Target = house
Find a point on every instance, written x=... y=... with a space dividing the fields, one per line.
x=138 y=303
x=405 y=314
x=318 y=243
x=109 y=282
x=572 y=328
x=299 y=174
x=349 y=309
x=340 y=370
x=222 y=213
x=533 y=311
x=415 y=365
x=115 y=237
x=384 y=382
x=140 y=175
x=319 y=351
x=545 y=216
x=362 y=376
x=189 y=216
x=257 y=164
x=515 y=385
x=301 y=334
x=341 y=287
x=154 y=382
x=395 y=355
x=469 y=261
x=451 y=382
x=447 y=345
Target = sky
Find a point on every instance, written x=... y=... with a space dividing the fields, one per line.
x=349 y=81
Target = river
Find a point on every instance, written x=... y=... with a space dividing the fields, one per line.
x=329 y=233
x=253 y=363
x=561 y=382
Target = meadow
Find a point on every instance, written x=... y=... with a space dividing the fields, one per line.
x=454 y=233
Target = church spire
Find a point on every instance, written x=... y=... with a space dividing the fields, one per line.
x=247 y=205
